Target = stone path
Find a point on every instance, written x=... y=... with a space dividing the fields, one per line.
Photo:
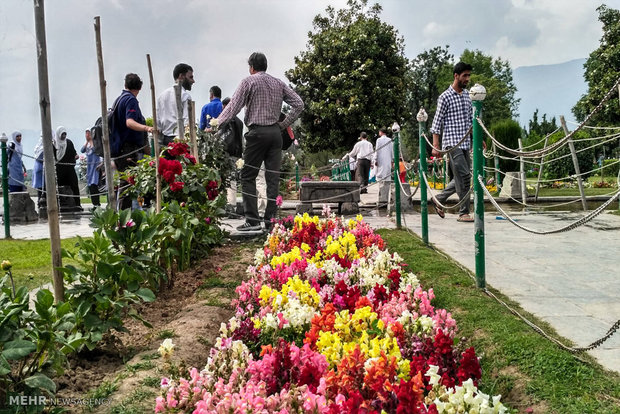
x=570 y=280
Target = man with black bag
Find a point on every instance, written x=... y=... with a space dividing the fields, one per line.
x=232 y=135
x=128 y=137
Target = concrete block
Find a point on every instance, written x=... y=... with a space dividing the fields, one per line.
x=21 y=208
x=511 y=186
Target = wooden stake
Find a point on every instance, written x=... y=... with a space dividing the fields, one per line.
x=48 y=151
x=191 y=112
x=573 y=153
x=156 y=135
x=180 y=120
x=522 y=175
x=540 y=170
x=107 y=160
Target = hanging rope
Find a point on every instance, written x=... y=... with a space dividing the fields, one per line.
x=442 y=152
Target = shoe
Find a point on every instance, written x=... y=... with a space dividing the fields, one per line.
x=465 y=218
x=247 y=226
x=438 y=209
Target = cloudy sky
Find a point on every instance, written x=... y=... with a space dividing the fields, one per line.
x=217 y=36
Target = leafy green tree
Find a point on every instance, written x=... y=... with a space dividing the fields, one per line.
x=507 y=131
x=537 y=130
x=602 y=69
x=352 y=77
x=495 y=75
x=430 y=70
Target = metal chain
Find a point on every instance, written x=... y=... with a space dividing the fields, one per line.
x=568 y=227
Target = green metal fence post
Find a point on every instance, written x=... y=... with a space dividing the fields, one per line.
x=422 y=117
x=445 y=172
x=396 y=130
x=478 y=93
x=296 y=175
x=5 y=187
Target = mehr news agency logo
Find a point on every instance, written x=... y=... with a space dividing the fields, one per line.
x=17 y=400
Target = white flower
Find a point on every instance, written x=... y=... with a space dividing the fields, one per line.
x=240 y=163
x=166 y=348
x=213 y=122
x=432 y=374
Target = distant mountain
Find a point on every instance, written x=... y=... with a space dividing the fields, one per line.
x=553 y=89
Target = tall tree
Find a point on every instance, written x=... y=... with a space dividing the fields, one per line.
x=495 y=75
x=352 y=77
x=602 y=69
x=428 y=70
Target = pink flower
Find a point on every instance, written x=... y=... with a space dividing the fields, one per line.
x=279 y=201
x=130 y=223
x=208 y=220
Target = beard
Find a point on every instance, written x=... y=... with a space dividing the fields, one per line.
x=186 y=84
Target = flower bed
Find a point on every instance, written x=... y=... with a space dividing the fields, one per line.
x=331 y=322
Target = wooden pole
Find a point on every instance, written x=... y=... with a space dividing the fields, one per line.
x=522 y=174
x=540 y=170
x=180 y=123
x=573 y=153
x=191 y=112
x=156 y=140
x=107 y=160
x=48 y=151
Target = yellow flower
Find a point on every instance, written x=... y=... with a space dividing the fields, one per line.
x=6 y=265
x=166 y=348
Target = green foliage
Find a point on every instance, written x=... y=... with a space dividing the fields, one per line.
x=496 y=76
x=213 y=156
x=602 y=70
x=508 y=132
x=610 y=168
x=538 y=130
x=351 y=77
x=431 y=73
x=33 y=342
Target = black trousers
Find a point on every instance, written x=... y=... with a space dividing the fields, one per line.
x=93 y=189
x=262 y=144
x=363 y=169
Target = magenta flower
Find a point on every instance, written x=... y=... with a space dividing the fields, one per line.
x=279 y=201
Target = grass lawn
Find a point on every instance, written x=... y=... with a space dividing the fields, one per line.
x=32 y=260
x=559 y=192
x=522 y=366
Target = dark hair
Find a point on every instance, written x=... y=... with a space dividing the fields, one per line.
x=383 y=130
x=217 y=92
x=133 y=82
x=226 y=101
x=363 y=135
x=181 y=69
x=461 y=67
x=258 y=61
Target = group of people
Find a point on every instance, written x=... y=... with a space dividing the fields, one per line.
x=452 y=121
x=65 y=156
x=262 y=96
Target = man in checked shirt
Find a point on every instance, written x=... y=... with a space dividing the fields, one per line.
x=262 y=96
x=454 y=118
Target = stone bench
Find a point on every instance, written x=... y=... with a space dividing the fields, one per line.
x=345 y=193
x=21 y=208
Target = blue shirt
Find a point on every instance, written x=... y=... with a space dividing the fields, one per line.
x=127 y=107
x=213 y=109
x=453 y=117
x=92 y=161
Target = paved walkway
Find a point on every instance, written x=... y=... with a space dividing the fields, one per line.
x=570 y=280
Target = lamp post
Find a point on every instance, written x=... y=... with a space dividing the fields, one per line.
x=477 y=94
x=5 y=187
x=422 y=117
x=396 y=131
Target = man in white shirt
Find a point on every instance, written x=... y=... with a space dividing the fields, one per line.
x=383 y=163
x=167 y=124
x=363 y=152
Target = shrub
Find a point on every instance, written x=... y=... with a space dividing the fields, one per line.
x=560 y=163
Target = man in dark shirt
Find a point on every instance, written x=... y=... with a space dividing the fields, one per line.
x=128 y=137
x=261 y=95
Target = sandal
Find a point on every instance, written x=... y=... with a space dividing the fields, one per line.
x=465 y=218
x=438 y=209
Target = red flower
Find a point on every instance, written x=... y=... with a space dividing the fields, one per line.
x=177 y=186
x=169 y=169
x=191 y=159
x=178 y=148
x=131 y=180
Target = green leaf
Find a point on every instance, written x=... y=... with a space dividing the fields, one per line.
x=5 y=368
x=45 y=298
x=18 y=349
x=145 y=294
x=39 y=380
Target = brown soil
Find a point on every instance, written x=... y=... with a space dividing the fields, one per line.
x=127 y=375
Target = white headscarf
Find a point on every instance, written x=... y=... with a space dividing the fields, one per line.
x=60 y=144
x=38 y=149
x=18 y=145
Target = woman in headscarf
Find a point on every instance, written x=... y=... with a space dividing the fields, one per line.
x=16 y=166
x=38 y=179
x=65 y=154
x=92 y=170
